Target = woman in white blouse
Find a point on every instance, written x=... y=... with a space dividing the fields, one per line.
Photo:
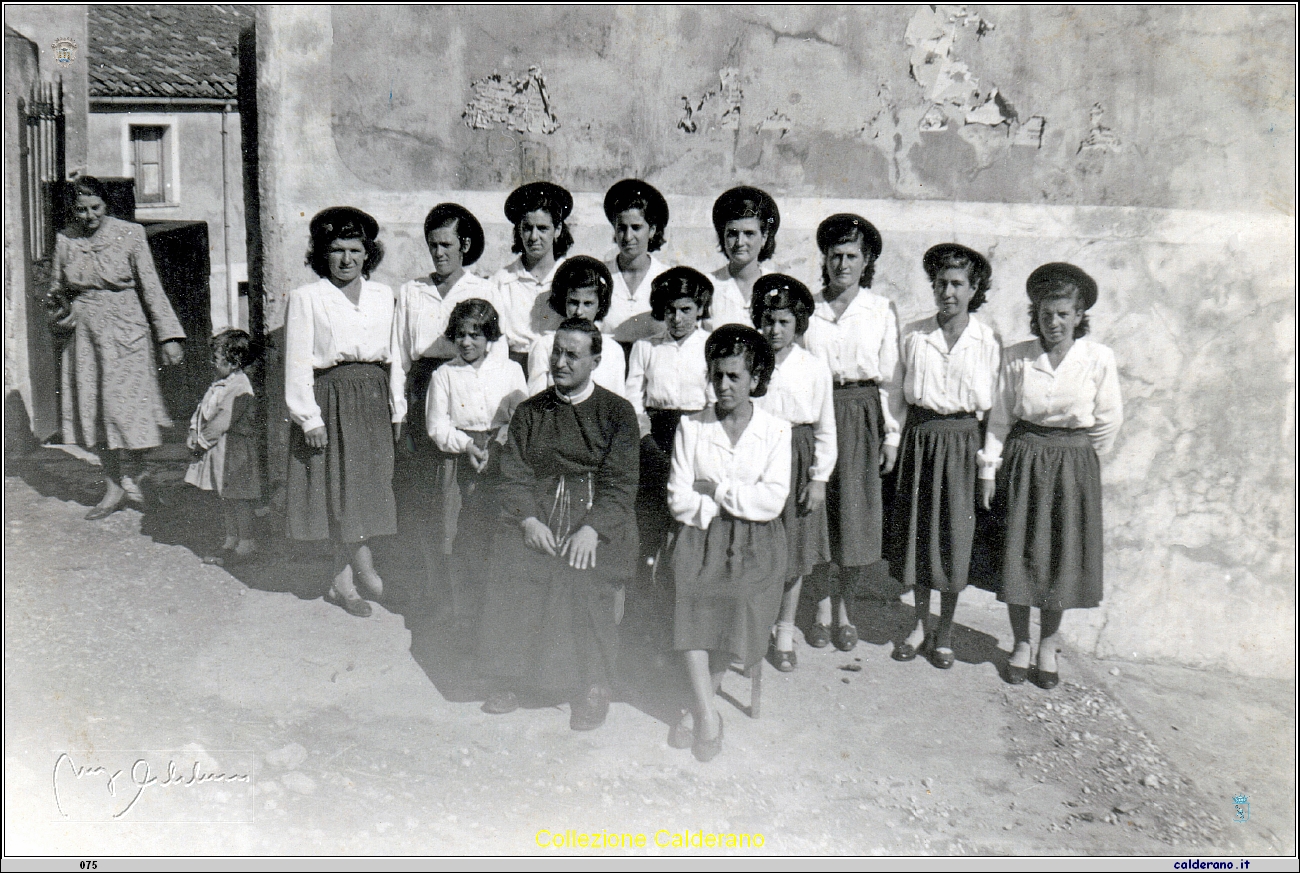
x=1057 y=408
x=950 y=374
x=538 y=212
x=729 y=482
x=470 y=402
x=337 y=359
x=800 y=393
x=856 y=333
x=639 y=215
x=746 y=221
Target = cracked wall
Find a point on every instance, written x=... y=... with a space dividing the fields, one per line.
x=1151 y=145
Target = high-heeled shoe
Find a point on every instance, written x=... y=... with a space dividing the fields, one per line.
x=1043 y=679
x=102 y=510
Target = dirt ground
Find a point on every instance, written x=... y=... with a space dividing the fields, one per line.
x=295 y=728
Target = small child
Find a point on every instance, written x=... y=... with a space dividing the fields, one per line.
x=800 y=393
x=667 y=378
x=225 y=429
x=470 y=401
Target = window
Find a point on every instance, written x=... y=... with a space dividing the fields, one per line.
x=150 y=163
x=150 y=142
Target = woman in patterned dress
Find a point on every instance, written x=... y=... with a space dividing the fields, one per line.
x=104 y=288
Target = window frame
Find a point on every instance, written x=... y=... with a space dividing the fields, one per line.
x=170 y=156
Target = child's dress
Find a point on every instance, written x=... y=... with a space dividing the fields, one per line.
x=225 y=428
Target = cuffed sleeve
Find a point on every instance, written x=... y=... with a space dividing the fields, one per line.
x=299 y=379
x=892 y=402
x=1108 y=411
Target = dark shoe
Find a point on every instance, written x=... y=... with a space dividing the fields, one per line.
x=706 y=750
x=942 y=658
x=500 y=703
x=1044 y=680
x=680 y=736
x=784 y=662
x=846 y=637
x=904 y=651
x=589 y=713
x=818 y=636
x=351 y=605
x=1017 y=675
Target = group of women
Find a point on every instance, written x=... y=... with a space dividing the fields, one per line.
x=787 y=437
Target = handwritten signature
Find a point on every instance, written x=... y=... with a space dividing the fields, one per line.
x=137 y=778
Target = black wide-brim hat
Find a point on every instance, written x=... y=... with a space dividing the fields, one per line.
x=729 y=205
x=466 y=226
x=1048 y=277
x=538 y=195
x=934 y=258
x=841 y=224
x=343 y=222
x=620 y=193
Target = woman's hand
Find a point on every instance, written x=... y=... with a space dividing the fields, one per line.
x=172 y=353
x=813 y=497
x=478 y=458
x=988 y=487
x=538 y=536
x=580 y=548
x=316 y=438
x=705 y=487
x=888 y=457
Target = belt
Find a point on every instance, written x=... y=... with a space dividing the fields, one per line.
x=855 y=383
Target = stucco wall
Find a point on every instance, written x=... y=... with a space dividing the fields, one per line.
x=1162 y=166
x=43 y=25
x=198 y=149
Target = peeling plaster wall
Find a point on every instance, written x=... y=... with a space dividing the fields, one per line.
x=1162 y=165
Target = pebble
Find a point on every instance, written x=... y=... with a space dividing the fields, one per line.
x=1114 y=671
x=288 y=758
x=1151 y=781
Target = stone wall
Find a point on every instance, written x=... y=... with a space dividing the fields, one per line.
x=1152 y=146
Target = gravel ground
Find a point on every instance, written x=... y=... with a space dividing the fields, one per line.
x=360 y=737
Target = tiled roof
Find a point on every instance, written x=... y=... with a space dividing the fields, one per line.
x=164 y=51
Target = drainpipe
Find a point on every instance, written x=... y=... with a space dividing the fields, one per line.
x=232 y=288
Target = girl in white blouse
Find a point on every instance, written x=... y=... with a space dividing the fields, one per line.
x=667 y=378
x=582 y=289
x=1057 y=408
x=799 y=393
x=639 y=215
x=856 y=333
x=470 y=402
x=746 y=221
x=337 y=360
x=537 y=212
x=950 y=373
x=729 y=483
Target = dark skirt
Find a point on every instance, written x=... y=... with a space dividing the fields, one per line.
x=1049 y=509
x=931 y=528
x=653 y=519
x=728 y=581
x=418 y=441
x=545 y=625
x=854 y=508
x=807 y=534
x=461 y=490
x=345 y=490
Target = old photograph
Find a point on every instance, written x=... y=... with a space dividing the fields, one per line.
x=650 y=430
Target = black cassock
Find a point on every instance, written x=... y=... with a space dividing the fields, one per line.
x=546 y=625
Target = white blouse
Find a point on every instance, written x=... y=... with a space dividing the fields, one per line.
x=664 y=373
x=800 y=393
x=610 y=373
x=752 y=477
x=860 y=345
x=323 y=329
x=961 y=379
x=523 y=304
x=1082 y=392
x=629 y=317
x=464 y=397
x=419 y=321
x=730 y=305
